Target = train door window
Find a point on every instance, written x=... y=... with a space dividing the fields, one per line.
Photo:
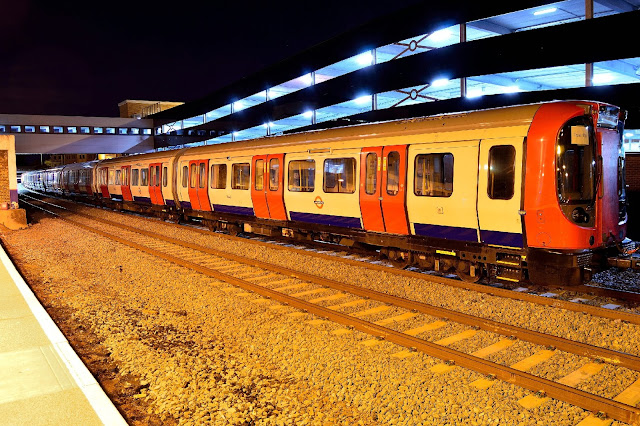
x=202 y=180
x=259 y=175
x=433 y=175
x=164 y=176
x=185 y=176
x=240 y=177
x=157 y=175
x=144 y=177
x=118 y=177
x=218 y=176
x=393 y=173
x=340 y=175
x=302 y=175
x=112 y=176
x=134 y=177
x=194 y=176
x=371 y=173
x=125 y=177
x=502 y=172
x=274 y=174
x=152 y=176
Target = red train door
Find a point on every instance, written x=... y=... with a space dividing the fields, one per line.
x=198 y=185
x=125 y=183
x=370 y=192
x=155 y=182
x=274 y=186
x=259 y=187
x=103 y=176
x=393 y=189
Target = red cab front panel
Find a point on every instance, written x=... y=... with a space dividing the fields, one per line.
x=609 y=231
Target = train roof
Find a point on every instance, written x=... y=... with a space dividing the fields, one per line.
x=520 y=115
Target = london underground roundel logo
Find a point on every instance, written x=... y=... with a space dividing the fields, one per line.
x=318 y=202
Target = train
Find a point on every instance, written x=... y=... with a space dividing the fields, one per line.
x=528 y=193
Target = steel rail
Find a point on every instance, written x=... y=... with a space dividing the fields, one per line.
x=578 y=348
x=585 y=400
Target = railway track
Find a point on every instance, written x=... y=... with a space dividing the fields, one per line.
x=348 y=305
x=577 y=299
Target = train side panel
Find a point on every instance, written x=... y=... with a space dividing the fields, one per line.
x=321 y=188
x=442 y=190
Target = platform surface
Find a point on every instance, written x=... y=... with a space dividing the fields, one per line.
x=42 y=380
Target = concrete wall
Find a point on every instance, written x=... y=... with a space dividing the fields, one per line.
x=10 y=215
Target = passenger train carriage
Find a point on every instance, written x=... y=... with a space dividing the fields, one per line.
x=532 y=192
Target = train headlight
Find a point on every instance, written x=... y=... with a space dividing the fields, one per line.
x=579 y=215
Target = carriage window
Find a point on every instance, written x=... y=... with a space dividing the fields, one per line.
x=112 y=176
x=371 y=173
x=134 y=177
x=259 y=175
x=393 y=173
x=118 y=176
x=194 y=175
x=143 y=177
x=185 y=176
x=164 y=176
x=274 y=174
x=302 y=174
x=240 y=178
x=340 y=175
x=203 y=175
x=502 y=172
x=434 y=175
x=218 y=176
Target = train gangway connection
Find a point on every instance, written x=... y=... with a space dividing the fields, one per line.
x=42 y=379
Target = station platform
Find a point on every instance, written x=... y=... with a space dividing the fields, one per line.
x=42 y=379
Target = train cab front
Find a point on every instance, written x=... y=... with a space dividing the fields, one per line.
x=575 y=203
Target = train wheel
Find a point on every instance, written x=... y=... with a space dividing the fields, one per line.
x=400 y=259
x=469 y=272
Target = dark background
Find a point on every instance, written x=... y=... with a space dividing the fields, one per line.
x=83 y=58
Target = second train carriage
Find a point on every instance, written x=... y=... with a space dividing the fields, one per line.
x=512 y=193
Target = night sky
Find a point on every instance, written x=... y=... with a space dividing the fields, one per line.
x=83 y=58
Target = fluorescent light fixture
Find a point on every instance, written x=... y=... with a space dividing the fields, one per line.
x=236 y=133
x=307 y=114
x=545 y=11
x=307 y=79
x=364 y=59
x=237 y=106
x=511 y=89
x=628 y=135
x=603 y=78
x=440 y=82
x=440 y=35
x=474 y=93
x=362 y=99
